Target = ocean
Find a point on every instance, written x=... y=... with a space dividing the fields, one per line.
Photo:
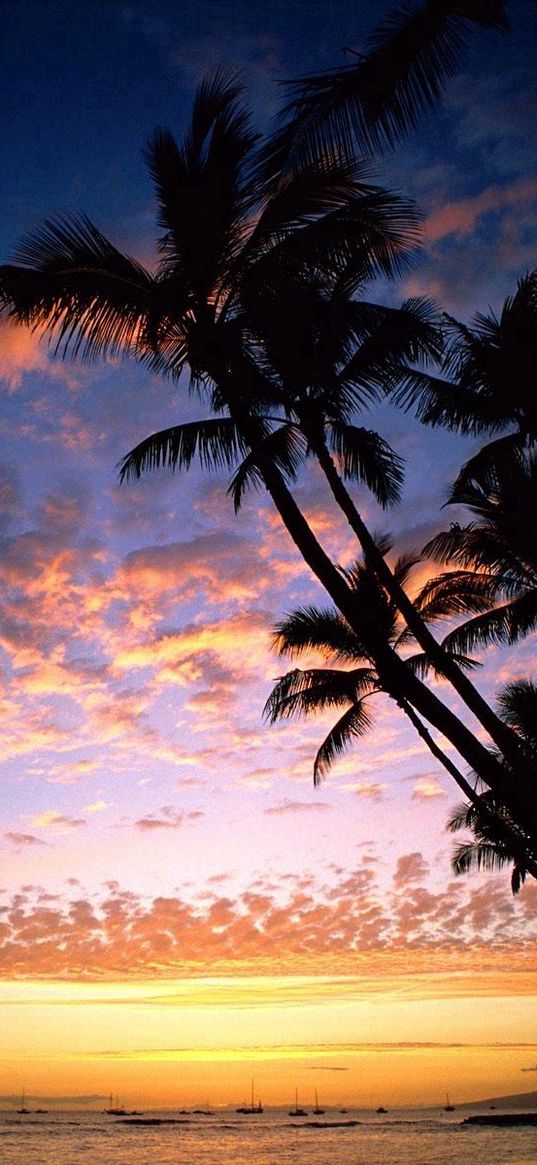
x=401 y=1137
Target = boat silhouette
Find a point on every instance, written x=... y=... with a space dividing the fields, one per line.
x=318 y=1111
x=296 y=1111
x=115 y=1109
x=22 y=1110
x=448 y=1107
x=251 y=1108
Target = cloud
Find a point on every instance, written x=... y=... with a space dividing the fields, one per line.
x=462 y=216
x=23 y=839
x=410 y=868
x=170 y=819
x=426 y=789
x=298 y=807
x=280 y=926
x=95 y=807
x=366 y=789
x=59 y=822
x=21 y=353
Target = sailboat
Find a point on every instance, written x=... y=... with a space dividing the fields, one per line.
x=318 y=1111
x=448 y=1107
x=115 y=1109
x=22 y=1110
x=251 y=1108
x=296 y=1111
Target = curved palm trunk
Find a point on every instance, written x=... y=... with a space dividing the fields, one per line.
x=437 y=752
x=504 y=738
x=398 y=680
x=519 y=851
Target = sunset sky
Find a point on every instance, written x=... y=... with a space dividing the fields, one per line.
x=180 y=910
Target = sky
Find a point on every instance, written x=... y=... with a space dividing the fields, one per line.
x=180 y=910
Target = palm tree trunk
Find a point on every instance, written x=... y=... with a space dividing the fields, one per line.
x=397 y=678
x=519 y=850
x=504 y=738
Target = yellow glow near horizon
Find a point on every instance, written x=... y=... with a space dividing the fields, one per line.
x=400 y=1040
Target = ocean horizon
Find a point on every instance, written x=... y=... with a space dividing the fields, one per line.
x=358 y=1136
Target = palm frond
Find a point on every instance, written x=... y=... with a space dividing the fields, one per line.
x=478 y=855
x=506 y=624
x=494 y=362
x=372 y=104
x=457 y=592
x=354 y=723
x=202 y=187
x=325 y=219
x=366 y=457
x=302 y=693
x=517 y=702
x=89 y=298
x=493 y=463
x=316 y=629
x=429 y=396
x=421 y=665
x=216 y=443
x=284 y=447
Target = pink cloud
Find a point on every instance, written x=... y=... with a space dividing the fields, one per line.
x=410 y=868
x=298 y=807
x=286 y=924
x=461 y=217
x=170 y=819
x=23 y=839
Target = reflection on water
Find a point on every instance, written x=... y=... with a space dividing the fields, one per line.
x=419 y=1138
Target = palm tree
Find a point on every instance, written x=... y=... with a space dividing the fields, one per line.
x=497 y=840
x=492 y=369
x=222 y=237
x=495 y=556
x=323 y=356
x=351 y=686
x=375 y=101
x=326 y=356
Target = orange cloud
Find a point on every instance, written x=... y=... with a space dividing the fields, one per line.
x=22 y=352
x=461 y=217
x=288 y=926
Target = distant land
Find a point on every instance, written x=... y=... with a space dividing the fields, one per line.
x=520 y=1100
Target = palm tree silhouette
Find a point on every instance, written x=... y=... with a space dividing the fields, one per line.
x=323 y=356
x=225 y=241
x=307 y=692
x=496 y=557
x=498 y=841
x=492 y=369
x=375 y=101
x=327 y=356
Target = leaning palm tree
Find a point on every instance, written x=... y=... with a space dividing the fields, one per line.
x=497 y=840
x=378 y=98
x=326 y=356
x=357 y=678
x=495 y=559
x=222 y=235
x=351 y=686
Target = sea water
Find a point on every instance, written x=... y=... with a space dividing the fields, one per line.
x=403 y=1137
